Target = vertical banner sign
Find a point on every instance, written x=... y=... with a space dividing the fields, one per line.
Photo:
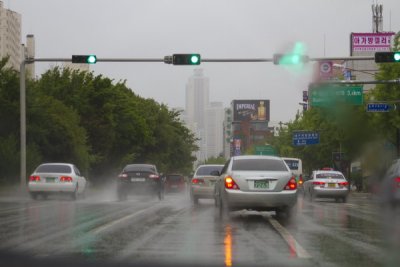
x=236 y=147
x=305 y=96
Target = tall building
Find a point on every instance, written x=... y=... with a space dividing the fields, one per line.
x=10 y=36
x=197 y=101
x=214 y=129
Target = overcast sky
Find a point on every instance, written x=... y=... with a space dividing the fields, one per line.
x=213 y=28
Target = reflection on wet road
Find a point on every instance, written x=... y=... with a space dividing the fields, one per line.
x=172 y=231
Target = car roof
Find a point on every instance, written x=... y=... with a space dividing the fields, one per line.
x=57 y=163
x=327 y=171
x=256 y=157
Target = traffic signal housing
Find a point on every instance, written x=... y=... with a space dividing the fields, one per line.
x=186 y=59
x=290 y=59
x=387 y=57
x=84 y=59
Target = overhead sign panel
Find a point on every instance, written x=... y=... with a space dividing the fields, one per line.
x=324 y=95
x=304 y=138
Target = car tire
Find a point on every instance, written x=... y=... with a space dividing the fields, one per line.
x=193 y=199
x=74 y=195
x=33 y=195
x=44 y=196
x=223 y=211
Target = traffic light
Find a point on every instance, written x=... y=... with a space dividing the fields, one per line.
x=186 y=59
x=387 y=57
x=88 y=59
x=290 y=59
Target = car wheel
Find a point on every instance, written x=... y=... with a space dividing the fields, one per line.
x=193 y=198
x=161 y=194
x=44 y=196
x=33 y=196
x=74 y=195
x=223 y=211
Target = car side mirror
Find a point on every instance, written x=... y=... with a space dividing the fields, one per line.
x=215 y=173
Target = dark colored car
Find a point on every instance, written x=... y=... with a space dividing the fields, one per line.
x=139 y=179
x=174 y=182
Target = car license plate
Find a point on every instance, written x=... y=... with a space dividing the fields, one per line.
x=261 y=184
x=331 y=185
x=50 y=179
x=138 y=179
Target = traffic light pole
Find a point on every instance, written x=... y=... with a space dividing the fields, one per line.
x=167 y=60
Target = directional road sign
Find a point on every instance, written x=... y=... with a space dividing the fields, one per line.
x=305 y=138
x=380 y=107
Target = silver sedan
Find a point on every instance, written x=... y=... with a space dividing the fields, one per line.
x=56 y=178
x=261 y=183
x=326 y=184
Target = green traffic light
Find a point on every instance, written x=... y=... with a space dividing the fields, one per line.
x=91 y=59
x=396 y=57
x=194 y=59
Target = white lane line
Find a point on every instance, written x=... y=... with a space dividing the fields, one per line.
x=127 y=217
x=293 y=244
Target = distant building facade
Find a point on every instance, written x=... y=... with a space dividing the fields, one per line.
x=214 y=129
x=10 y=36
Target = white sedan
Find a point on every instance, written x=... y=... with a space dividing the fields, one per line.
x=56 y=178
x=326 y=184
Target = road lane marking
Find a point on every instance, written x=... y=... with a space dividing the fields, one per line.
x=127 y=217
x=294 y=246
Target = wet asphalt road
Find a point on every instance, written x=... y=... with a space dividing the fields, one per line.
x=143 y=229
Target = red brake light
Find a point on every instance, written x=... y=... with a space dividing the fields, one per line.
x=343 y=183
x=123 y=175
x=397 y=182
x=230 y=183
x=197 y=181
x=318 y=183
x=34 y=178
x=292 y=184
x=154 y=176
x=65 y=179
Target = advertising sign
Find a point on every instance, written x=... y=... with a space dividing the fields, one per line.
x=236 y=147
x=304 y=138
x=251 y=110
x=328 y=95
x=371 y=41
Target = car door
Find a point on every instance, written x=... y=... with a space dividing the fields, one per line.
x=81 y=180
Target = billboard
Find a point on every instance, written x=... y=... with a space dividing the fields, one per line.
x=251 y=110
x=372 y=42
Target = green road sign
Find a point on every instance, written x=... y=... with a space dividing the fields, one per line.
x=265 y=150
x=328 y=95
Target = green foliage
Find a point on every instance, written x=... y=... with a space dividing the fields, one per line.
x=88 y=120
x=215 y=160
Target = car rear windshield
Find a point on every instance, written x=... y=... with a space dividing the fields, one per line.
x=206 y=170
x=329 y=175
x=174 y=177
x=140 y=168
x=54 y=169
x=292 y=164
x=259 y=165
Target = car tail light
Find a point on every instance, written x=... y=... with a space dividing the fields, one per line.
x=34 y=178
x=197 y=181
x=123 y=175
x=230 y=183
x=67 y=179
x=396 y=182
x=342 y=184
x=154 y=176
x=318 y=183
x=292 y=184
